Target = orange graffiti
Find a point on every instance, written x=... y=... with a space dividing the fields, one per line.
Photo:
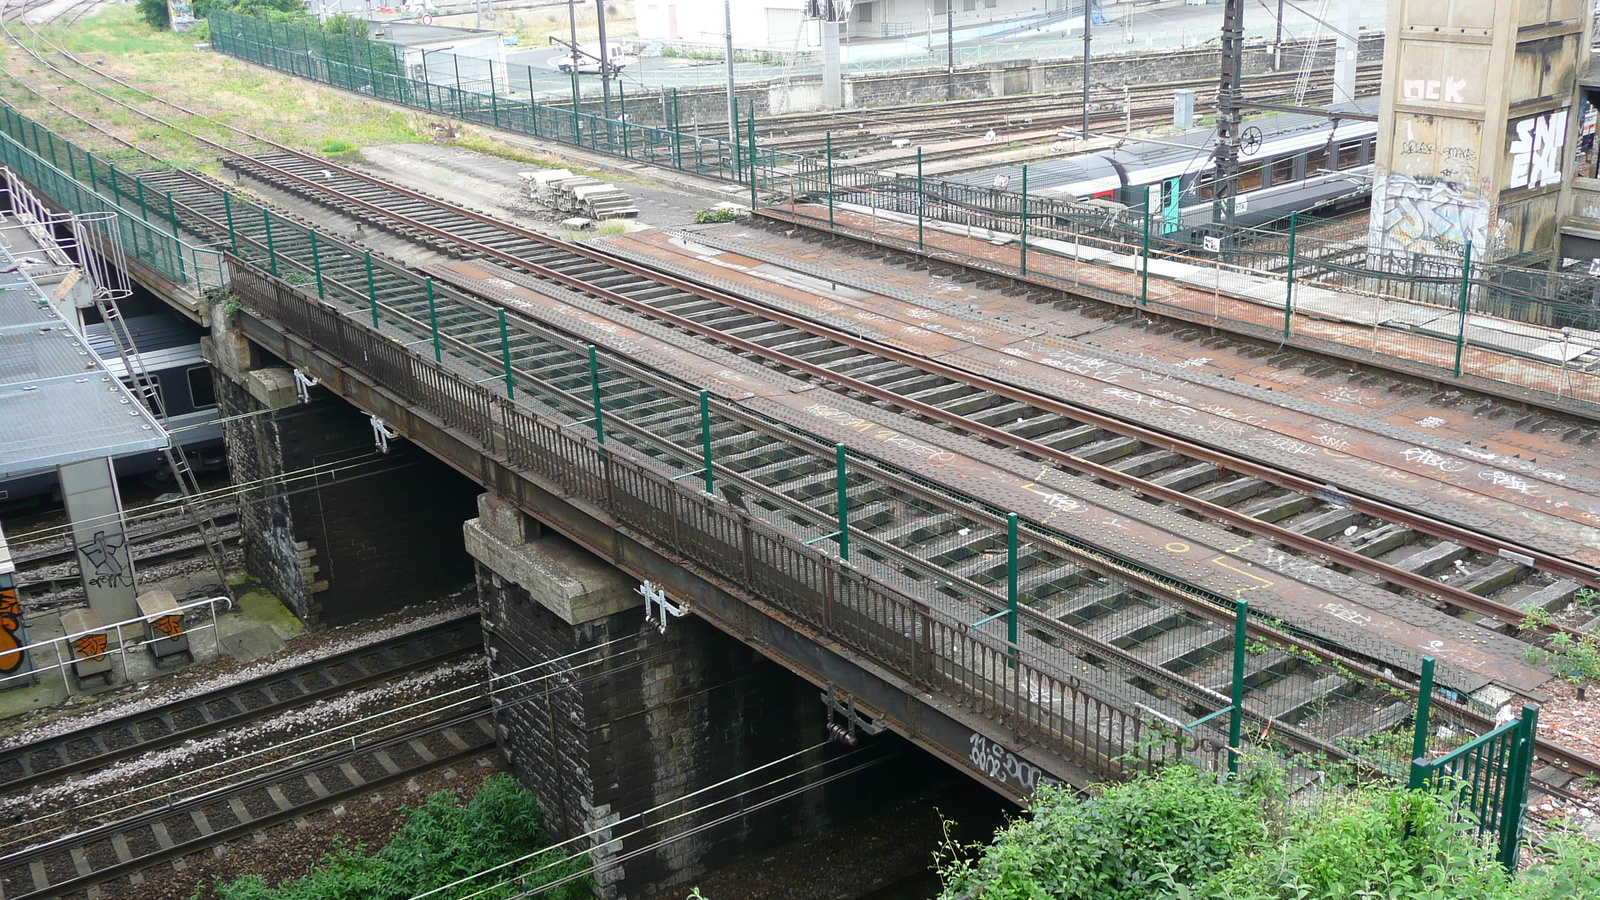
x=10 y=631
x=90 y=646
x=171 y=626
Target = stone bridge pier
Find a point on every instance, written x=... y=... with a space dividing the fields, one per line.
x=606 y=718
x=337 y=528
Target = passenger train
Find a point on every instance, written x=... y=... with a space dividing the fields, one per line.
x=1288 y=162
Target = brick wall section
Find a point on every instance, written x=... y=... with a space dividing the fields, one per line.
x=350 y=545
x=663 y=716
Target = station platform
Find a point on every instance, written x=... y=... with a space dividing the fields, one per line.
x=1356 y=614
x=1446 y=460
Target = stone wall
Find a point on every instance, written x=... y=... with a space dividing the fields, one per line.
x=648 y=719
x=349 y=543
x=927 y=84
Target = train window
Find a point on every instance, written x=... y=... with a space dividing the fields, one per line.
x=1315 y=160
x=1349 y=154
x=1283 y=170
x=156 y=401
x=202 y=392
x=1250 y=177
x=969 y=5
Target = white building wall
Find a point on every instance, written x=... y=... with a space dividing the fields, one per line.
x=777 y=24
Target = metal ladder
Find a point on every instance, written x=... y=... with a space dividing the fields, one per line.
x=149 y=393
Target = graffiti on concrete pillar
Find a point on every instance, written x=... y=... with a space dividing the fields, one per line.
x=1536 y=147
x=1419 y=214
x=11 y=655
x=107 y=561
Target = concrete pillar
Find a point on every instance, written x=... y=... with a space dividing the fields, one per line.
x=104 y=561
x=1477 y=125
x=1345 y=51
x=832 y=69
x=651 y=718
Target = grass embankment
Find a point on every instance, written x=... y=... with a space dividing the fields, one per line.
x=285 y=109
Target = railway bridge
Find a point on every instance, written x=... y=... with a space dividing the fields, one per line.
x=685 y=486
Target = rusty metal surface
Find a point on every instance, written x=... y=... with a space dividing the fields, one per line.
x=1324 y=436
x=1349 y=612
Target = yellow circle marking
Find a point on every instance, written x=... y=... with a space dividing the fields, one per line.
x=1177 y=547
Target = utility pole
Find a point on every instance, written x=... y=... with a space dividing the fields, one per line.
x=577 y=95
x=1086 y=22
x=1229 y=115
x=605 y=58
x=733 y=115
x=1277 y=42
x=950 y=49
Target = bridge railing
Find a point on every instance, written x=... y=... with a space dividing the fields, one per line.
x=922 y=645
x=55 y=167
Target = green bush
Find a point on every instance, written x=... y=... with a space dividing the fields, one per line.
x=441 y=841
x=1120 y=845
x=711 y=215
x=336 y=147
x=155 y=14
x=1183 y=835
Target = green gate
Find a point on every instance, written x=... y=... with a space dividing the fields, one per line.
x=1489 y=774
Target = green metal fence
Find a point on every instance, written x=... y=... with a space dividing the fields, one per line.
x=376 y=68
x=1487 y=777
x=54 y=166
x=1446 y=316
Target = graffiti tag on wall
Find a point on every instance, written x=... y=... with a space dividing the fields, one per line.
x=1417 y=214
x=11 y=640
x=1536 y=150
x=105 y=561
x=1006 y=767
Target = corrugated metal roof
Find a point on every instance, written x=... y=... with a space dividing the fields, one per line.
x=58 y=403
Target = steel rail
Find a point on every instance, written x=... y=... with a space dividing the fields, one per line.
x=1564 y=756
x=1347 y=558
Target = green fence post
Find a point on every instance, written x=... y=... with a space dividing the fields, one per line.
x=1241 y=616
x=177 y=242
x=505 y=355
x=1144 y=254
x=1011 y=587
x=735 y=131
x=1288 y=281
x=705 y=440
x=750 y=123
x=494 y=101
x=1022 y=229
x=316 y=264
x=920 y=245
x=227 y=209
x=116 y=191
x=829 y=150
x=94 y=183
x=1466 y=286
x=272 y=252
x=677 y=132
x=1419 y=723
x=841 y=479
x=533 y=104
x=1516 y=799
x=72 y=164
x=372 y=292
x=622 y=116
x=433 y=320
x=594 y=395
x=144 y=210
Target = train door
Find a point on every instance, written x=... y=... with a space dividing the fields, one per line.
x=1171 y=214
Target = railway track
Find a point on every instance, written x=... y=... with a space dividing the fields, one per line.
x=101 y=853
x=914 y=532
x=26 y=765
